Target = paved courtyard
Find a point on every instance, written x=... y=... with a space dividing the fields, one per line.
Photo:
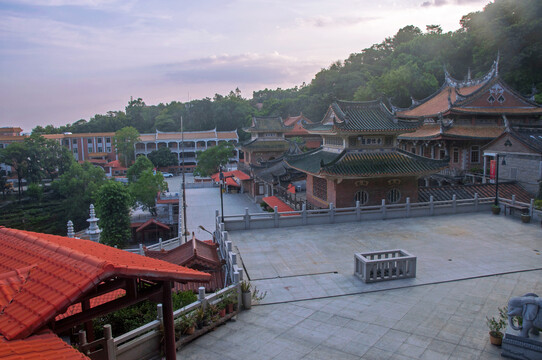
x=468 y=266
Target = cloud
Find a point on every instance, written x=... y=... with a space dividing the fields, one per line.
x=326 y=21
x=246 y=68
x=438 y=3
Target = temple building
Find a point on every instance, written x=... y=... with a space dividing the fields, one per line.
x=309 y=141
x=264 y=155
x=463 y=116
x=267 y=140
x=359 y=160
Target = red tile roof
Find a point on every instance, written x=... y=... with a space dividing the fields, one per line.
x=238 y=174
x=187 y=254
x=273 y=201
x=115 y=164
x=44 y=345
x=62 y=270
x=506 y=190
x=95 y=301
x=152 y=221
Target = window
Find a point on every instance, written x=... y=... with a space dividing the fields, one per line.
x=389 y=140
x=67 y=142
x=269 y=134
x=89 y=141
x=394 y=195
x=455 y=155
x=352 y=141
x=442 y=154
x=108 y=140
x=90 y=149
x=108 y=149
x=75 y=150
x=319 y=188
x=99 y=140
x=74 y=141
x=413 y=150
x=513 y=173
x=334 y=141
x=362 y=196
x=475 y=154
x=1 y=146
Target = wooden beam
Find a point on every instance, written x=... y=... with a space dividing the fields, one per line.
x=122 y=302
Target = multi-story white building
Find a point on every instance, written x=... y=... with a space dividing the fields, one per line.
x=194 y=141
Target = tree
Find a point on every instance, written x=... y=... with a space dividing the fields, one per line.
x=163 y=157
x=145 y=189
x=16 y=156
x=211 y=159
x=125 y=140
x=141 y=164
x=113 y=208
x=77 y=188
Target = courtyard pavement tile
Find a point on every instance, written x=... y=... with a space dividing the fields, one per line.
x=439 y=315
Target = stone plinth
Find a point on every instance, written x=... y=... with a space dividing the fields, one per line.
x=518 y=347
x=384 y=265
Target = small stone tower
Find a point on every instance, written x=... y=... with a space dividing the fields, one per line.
x=93 y=230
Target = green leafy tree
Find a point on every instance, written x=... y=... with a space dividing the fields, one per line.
x=141 y=164
x=145 y=189
x=16 y=156
x=211 y=159
x=125 y=140
x=113 y=202
x=163 y=157
x=77 y=188
x=3 y=182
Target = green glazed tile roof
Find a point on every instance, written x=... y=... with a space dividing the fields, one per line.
x=367 y=117
x=267 y=145
x=365 y=164
x=272 y=123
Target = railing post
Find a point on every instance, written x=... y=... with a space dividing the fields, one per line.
x=513 y=199
x=331 y=213
x=531 y=208
x=141 y=252
x=160 y=243
x=454 y=203
x=276 y=216
x=475 y=201
x=408 y=207
x=431 y=206
x=304 y=214
x=383 y=209
x=201 y=297
x=160 y=313
x=247 y=219
x=109 y=348
x=358 y=211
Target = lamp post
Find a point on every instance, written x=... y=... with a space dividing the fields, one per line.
x=497 y=177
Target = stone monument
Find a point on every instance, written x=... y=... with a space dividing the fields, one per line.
x=93 y=230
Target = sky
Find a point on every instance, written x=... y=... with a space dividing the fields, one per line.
x=65 y=60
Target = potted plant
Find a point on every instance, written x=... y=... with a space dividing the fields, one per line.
x=200 y=317
x=525 y=218
x=187 y=326
x=228 y=301
x=495 y=209
x=221 y=309
x=212 y=313
x=246 y=296
x=496 y=325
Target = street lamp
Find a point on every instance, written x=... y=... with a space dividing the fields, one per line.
x=497 y=176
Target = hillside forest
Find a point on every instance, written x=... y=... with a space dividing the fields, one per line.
x=409 y=64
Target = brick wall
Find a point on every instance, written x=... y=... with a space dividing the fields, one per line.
x=343 y=194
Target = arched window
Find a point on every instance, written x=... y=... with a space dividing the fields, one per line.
x=362 y=196
x=394 y=195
